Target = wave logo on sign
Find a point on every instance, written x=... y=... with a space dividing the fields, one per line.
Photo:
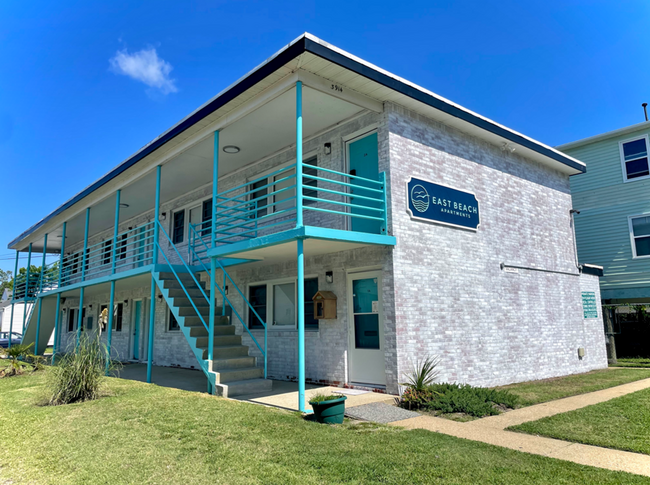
x=420 y=198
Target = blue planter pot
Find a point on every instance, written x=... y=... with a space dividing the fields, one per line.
x=329 y=412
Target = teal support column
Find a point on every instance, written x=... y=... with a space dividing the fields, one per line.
x=57 y=319
x=80 y=316
x=83 y=259
x=109 y=325
x=40 y=300
x=13 y=297
x=301 y=326
x=299 y=154
x=115 y=233
x=213 y=243
x=111 y=303
x=152 y=308
x=62 y=254
x=29 y=264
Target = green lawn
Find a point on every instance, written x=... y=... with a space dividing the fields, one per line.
x=622 y=423
x=633 y=362
x=148 y=434
x=535 y=392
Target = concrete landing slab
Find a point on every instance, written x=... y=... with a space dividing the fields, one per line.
x=177 y=378
x=285 y=395
x=379 y=412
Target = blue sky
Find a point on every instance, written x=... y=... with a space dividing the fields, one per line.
x=554 y=70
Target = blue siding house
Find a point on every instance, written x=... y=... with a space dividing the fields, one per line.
x=612 y=222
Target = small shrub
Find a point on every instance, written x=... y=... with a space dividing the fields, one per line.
x=21 y=359
x=456 y=398
x=80 y=373
x=424 y=373
x=318 y=398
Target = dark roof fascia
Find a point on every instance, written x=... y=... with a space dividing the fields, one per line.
x=304 y=44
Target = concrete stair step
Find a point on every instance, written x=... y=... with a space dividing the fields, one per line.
x=202 y=342
x=201 y=331
x=204 y=310
x=236 y=375
x=229 y=351
x=232 y=363
x=194 y=321
x=175 y=285
x=241 y=388
x=179 y=292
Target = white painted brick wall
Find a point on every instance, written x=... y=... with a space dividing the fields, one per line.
x=452 y=299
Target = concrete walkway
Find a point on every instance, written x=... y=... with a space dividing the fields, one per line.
x=491 y=430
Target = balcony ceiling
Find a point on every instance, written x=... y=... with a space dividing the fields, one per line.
x=263 y=132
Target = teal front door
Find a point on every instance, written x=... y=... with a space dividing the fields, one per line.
x=363 y=161
x=136 y=329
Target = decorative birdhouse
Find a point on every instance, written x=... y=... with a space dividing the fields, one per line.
x=324 y=305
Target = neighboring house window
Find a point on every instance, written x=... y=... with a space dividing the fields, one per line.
x=178 y=227
x=635 y=158
x=275 y=183
x=72 y=319
x=121 y=246
x=308 y=185
x=117 y=317
x=279 y=300
x=640 y=228
x=106 y=251
x=173 y=323
x=257 y=299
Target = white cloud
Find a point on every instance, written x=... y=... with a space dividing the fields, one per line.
x=145 y=66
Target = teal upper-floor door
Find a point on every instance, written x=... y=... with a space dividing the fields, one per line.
x=363 y=161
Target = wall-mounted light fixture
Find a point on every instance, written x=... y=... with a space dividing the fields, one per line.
x=126 y=302
x=507 y=147
x=90 y=307
x=163 y=216
x=62 y=301
x=328 y=148
x=225 y=289
x=329 y=277
x=160 y=297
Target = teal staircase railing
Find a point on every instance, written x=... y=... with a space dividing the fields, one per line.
x=184 y=269
x=227 y=301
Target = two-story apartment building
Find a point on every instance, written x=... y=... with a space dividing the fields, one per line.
x=427 y=229
x=613 y=224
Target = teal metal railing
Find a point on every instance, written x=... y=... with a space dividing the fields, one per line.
x=195 y=257
x=134 y=249
x=269 y=204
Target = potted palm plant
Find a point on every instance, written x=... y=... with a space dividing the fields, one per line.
x=328 y=408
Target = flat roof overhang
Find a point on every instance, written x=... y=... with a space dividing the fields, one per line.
x=310 y=54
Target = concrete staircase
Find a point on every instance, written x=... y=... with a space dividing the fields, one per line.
x=232 y=372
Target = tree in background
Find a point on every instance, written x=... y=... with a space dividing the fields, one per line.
x=6 y=280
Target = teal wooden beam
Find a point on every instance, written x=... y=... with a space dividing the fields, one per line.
x=80 y=316
x=29 y=264
x=299 y=154
x=40 y=300
x=301 y=326
x=83 y=259
x=13 y=297
x=115 y=231
x=57 y=318
x=109 y=327
x=61 y=256
x=152 y=308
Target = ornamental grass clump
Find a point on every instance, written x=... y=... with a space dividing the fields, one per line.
x=80 y=373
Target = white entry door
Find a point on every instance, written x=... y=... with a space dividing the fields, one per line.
x=366 y=343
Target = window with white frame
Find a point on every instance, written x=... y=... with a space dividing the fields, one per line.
x=634 y=157
x=275 y=183
x=275 y=303
x=640 y=234
x=118 y=311
x=200 y=213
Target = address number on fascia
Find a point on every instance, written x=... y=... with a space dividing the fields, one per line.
x=336 y=87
